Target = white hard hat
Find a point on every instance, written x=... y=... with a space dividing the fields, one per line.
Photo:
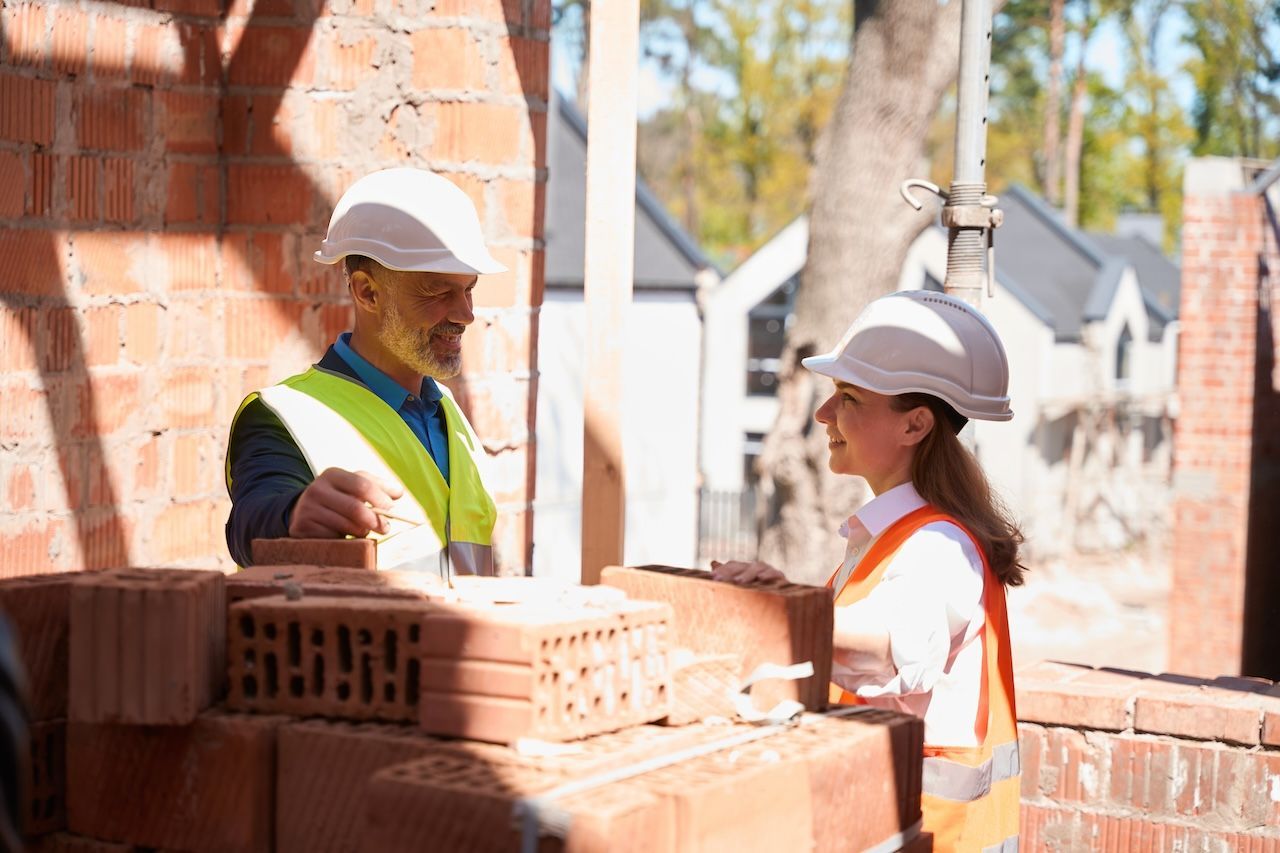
x=411 y=220
x=926 y=342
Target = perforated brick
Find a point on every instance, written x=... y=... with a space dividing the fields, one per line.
x=771 y=622
x=203 y=787
x=842 y=784
x=262 y=581
x=38 y=607
x=462 y=803
x=349 y=553
x=703 y=686
x=352 y=658
x=46 y=794
x=147 y=646
x=324 y=766
x=502 y=673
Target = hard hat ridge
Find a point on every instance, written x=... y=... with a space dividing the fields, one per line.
x=924 y=342
x=411 y=220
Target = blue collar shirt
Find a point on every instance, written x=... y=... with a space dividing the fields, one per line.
x=422 y=413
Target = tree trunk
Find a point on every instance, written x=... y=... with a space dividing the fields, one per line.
x=1075 y=132
x=905 y=55
x=1053 y=103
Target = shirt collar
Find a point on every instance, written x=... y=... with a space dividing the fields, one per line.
x=386 y=388
x=879 y=513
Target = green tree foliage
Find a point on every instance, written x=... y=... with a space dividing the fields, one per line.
x=1236 y=70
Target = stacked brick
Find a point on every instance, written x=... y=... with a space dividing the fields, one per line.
x=1117 y=761
x=146 y=762
x=770 y=622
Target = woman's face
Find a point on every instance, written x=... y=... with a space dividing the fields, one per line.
x=866 y=437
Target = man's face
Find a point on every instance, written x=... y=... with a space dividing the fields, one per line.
x=423 y=317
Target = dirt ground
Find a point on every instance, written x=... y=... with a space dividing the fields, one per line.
x=1099 y=609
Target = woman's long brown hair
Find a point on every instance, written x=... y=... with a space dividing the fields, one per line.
x=947 y=475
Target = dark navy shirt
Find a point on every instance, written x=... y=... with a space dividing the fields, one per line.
x=268 y=471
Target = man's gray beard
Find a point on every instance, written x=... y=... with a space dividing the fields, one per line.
x=413 y=347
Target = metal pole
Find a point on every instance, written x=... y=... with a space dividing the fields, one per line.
x=969 y=213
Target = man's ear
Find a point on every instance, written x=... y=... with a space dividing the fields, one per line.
x=364 y=291
x=917 y=424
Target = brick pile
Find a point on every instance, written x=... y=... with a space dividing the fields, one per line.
x=415 y=694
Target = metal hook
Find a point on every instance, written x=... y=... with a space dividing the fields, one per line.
x=911 y=183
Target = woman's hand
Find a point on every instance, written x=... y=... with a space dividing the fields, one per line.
x=737 y=571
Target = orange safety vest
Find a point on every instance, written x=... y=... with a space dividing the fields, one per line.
x=969 y=794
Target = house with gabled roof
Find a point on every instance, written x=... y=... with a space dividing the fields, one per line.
x=661 y=384
x=1090 y=324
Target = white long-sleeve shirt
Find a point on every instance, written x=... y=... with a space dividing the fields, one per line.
x=929 y=602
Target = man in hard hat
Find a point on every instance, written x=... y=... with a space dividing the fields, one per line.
x=366 y=442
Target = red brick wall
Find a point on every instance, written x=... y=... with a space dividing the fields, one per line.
x=1225 y=590
x=1118 y=761
x=165 y=174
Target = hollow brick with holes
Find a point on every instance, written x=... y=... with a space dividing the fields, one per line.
x=46 y=793
x=772 y=622
x=38 y=608
x=200 y=788
x=325 y=764
x=351 y=658
x=703 y=686
x=500 y=674
x=146 y=646
x=843 y=783
x=348 y=553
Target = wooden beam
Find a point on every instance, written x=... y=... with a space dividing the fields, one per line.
x=612 y=87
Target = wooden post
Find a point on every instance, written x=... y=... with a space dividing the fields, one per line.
x=612 y=87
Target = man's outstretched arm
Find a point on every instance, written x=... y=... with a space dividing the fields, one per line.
x=268 y=474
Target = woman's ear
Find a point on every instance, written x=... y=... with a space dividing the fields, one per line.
x=918 y=423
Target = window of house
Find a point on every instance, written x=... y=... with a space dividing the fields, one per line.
x=1124 y=356
x=766 y=333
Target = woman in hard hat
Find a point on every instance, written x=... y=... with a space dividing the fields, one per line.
x=920 y=623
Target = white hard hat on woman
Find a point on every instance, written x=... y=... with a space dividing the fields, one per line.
x=920 y=623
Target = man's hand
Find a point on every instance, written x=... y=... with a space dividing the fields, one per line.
x=340 y=503
x=736 y=571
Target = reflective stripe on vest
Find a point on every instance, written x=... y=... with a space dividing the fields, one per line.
x=952 y=780
x=1009 y=845
x=339 y=423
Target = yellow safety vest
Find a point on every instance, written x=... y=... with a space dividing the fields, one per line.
x=339 y=423
x=969 y=795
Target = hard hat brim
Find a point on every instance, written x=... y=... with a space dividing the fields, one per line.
x=835 y=365
x=423 y=260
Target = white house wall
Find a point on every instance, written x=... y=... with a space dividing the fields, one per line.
x=660 y=417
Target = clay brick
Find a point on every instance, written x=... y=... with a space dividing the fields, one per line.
x=46 y=794
x=348 y=553
x=28 y=114
x=324 y=765
x=352 y=658
x=843 y=784
x=1204 y=713
x=262 y=581
x=38 y=607
x=204 y=787
x=503 y=673
x=703 y=686
x=147 y=646
x=778 y=623
x=1095 y=707
x=461 y=803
